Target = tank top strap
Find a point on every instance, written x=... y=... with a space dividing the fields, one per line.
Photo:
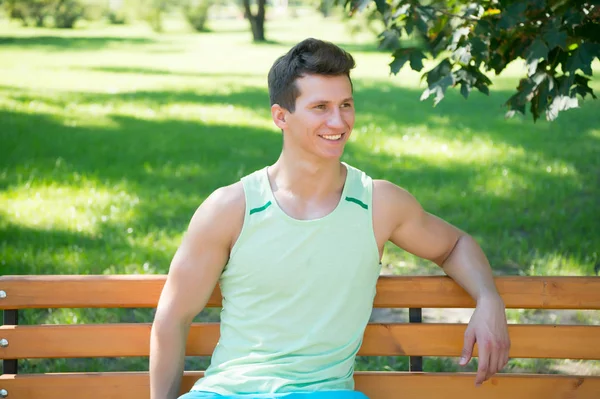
x=360 y=188
x=257 y=192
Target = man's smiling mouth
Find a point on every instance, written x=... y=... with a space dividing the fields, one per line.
x=332 y=137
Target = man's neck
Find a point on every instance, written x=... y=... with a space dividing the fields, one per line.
x=308 y=179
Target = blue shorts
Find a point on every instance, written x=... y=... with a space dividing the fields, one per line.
x=341 y=394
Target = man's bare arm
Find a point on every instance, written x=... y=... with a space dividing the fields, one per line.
x=429 y=237
x=192 y=277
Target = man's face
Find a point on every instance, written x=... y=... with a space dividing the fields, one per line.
x=324 y=116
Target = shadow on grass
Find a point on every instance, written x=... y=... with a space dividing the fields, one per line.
x=253 y=99
x=70 y=42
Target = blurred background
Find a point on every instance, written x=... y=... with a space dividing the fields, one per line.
x=118 y=118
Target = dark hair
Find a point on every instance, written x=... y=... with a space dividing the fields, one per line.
x=309 y=57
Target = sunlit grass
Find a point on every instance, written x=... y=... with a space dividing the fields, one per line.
x=81 y=209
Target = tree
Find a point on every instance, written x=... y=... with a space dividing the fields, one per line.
x=196 y=13
x=152 y=11
x=557 y=39
x=29 y=12
x=325 y=7
x=257 y=21
x=64 y=13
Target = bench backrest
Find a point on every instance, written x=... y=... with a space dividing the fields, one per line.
x=415 y=339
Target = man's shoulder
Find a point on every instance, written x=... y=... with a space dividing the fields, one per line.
x=221 y=214
x=226 y=199
x=384 y=188
x=392 y=206
x=387 y=194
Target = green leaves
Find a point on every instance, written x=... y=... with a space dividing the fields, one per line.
x=582 y=58
x=555 y=38
x=560 y=103
x=416 y=60
x=513 y=15
x=438 y=80
x=538 y=50
x=557 y=41
x=382 y=6
x=581 y=87
x=479 y=49
x=438 y=88
x=357 y=5
x=548 y=94
x=469 y=77
x=404 y=55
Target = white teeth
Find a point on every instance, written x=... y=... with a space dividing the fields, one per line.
x=333 y=137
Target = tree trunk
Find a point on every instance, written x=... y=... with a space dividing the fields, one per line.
x=257 y=22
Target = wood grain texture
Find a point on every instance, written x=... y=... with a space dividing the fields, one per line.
x=120 y=291
x=123 y=340
x=376 y=385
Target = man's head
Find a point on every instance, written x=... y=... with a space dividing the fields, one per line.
x=309 y=57
x=311 y=99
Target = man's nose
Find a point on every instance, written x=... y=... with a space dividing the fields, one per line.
x=335 y=120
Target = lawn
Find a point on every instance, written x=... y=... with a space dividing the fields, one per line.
x=112 y=136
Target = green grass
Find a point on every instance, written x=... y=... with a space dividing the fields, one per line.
x=112 y=136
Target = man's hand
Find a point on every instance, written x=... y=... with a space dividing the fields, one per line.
x=488 y=327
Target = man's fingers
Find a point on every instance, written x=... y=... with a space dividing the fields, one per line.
x=503 y=359
x=505 y=355
x=484 y=364
x=495 y=358
x=467 y=350
x=501 y=362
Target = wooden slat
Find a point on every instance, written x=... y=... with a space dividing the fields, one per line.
x=376 y=385
x=121 y=291
x=527 y=341
x=122 y=340
x=73 y=291
x=501 y=386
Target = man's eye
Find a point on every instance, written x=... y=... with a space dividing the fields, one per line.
x=346 y=105
x=320 y=106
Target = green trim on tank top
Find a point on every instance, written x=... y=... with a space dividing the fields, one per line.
x=358 y=202
x=260 y=208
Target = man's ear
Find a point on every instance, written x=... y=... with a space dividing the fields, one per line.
x=278 y=114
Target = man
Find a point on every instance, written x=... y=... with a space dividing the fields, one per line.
x=296 y=248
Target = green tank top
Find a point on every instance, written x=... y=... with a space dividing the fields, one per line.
x=297 y=294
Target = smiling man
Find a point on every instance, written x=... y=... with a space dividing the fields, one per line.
x=296 y=248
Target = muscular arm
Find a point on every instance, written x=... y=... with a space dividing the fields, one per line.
x=432 y=238
x=192 y=277
x=429 y=237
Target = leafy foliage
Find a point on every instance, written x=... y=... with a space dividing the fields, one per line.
x=196 y=13
x=557 y=39
x=67 y=12
x=29 y=12
x=63 y=13
x=152 y=11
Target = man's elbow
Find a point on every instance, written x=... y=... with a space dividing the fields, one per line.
x=168 y=323
x=453 y=249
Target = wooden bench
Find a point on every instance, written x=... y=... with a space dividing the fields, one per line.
x=415 y=339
